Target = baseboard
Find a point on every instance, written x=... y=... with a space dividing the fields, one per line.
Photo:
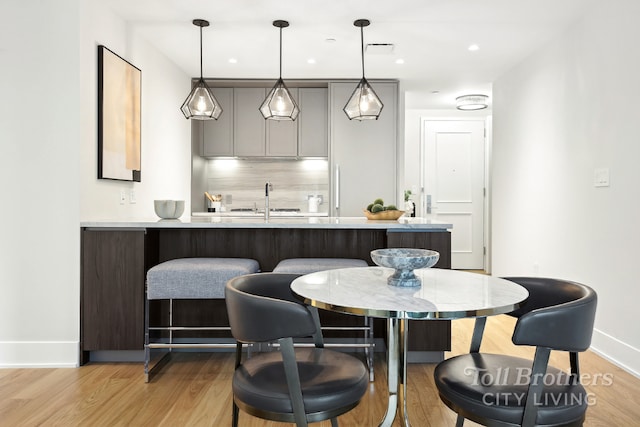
x=43 y=354
x=617 y=352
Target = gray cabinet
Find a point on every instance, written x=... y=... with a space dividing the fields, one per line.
x=281 y=139
x=248 y=123
x=312 y=122
x=363 y=153
x=241 y=130
x=217 y=135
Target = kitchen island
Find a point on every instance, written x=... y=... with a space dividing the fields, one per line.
x=116 y=255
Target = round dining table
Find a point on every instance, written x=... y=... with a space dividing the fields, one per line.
x=443 y=294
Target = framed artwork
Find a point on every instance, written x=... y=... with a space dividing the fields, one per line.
x=119 y=116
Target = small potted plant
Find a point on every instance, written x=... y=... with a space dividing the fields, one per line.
x=409 y=206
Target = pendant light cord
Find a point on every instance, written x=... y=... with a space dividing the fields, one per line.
x=280 y=52
x=362 y=48
x=201 y=53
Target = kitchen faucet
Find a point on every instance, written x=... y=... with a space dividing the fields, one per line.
x=267 y=187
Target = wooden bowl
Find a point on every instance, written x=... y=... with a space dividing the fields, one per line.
x=384 y=215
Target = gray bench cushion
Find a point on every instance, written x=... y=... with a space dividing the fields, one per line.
x=195 y=278
x=311 y=265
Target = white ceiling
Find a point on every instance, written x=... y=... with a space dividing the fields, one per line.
x=431 y=36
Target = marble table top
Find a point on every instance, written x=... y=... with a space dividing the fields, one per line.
x=444 y=294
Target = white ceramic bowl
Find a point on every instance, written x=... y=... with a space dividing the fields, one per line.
x=169 y=209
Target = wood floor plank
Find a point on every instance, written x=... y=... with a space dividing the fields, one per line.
x=194 y=390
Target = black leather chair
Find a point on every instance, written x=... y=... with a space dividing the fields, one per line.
x=502 y=390
x=296 y=385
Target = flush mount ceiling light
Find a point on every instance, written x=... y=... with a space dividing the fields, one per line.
x=279 y=104
x=363 y=104
x=201 y=104
x=471 y=102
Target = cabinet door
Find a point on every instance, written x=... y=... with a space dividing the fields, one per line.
x=248 y=124
x=113 y=278
x=363 y=153
x=282 y=135
x=217 y=135
x=313 y=123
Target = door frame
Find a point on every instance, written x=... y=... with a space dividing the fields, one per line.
x=487 y=175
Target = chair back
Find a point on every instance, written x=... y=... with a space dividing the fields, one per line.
x=559 y=314
x=258 y=303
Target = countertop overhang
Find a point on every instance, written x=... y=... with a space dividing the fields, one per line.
x=402 y=224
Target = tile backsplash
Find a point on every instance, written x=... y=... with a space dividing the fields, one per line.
x=242 y=182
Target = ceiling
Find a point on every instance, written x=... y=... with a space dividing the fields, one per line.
x=432 y=37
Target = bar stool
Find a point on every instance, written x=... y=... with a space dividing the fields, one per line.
x=312 y=265
x=188 y=278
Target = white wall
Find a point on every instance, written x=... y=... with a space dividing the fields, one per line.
x=39 y=171
x=558 y=116
x=48 y=158
x=166 y=140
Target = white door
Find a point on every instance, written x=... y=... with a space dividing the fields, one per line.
x=454 y=190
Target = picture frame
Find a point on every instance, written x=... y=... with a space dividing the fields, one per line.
x=119 y=117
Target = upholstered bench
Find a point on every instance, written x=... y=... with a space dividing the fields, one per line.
x=189 y=278
x=312 y=265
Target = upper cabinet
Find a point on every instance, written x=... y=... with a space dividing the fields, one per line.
x=282 y=135
x=248 y=123
x=313 y=127
x=241 y=131
x=217 y=135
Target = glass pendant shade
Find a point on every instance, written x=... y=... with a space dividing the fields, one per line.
x=279 y=104
x=364 y=104
x=201 y=104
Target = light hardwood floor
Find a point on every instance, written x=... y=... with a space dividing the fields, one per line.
x=194 y=390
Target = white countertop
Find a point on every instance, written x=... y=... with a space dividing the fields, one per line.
x=412 y=224
x=245 y=214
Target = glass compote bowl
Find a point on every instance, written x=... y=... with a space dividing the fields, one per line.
x=404 y=261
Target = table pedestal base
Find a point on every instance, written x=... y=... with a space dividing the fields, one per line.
x=397 y=373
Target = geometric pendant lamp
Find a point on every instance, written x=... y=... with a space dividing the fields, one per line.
x=201 y=104
x=279 y=104
x=364 y=103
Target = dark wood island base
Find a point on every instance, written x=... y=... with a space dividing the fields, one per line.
x=115 y=261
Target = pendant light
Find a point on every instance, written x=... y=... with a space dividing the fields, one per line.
x=363 y=104
x=201 y=104
x=279 y=104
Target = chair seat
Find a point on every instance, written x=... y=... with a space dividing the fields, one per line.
x=329 y=379
x=494 y=386
x=195 y=278
x=311 y=265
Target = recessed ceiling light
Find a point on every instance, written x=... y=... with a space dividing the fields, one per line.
x=330 y=40
x=435 y=91
x=233 y=61
x=474 y=47
x=311 y=61
x=399 y=61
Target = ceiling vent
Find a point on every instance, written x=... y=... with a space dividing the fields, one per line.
x=379 y=48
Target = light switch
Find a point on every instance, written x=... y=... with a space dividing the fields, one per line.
x=601 y=177
x=123 y=197
x=132 y=196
